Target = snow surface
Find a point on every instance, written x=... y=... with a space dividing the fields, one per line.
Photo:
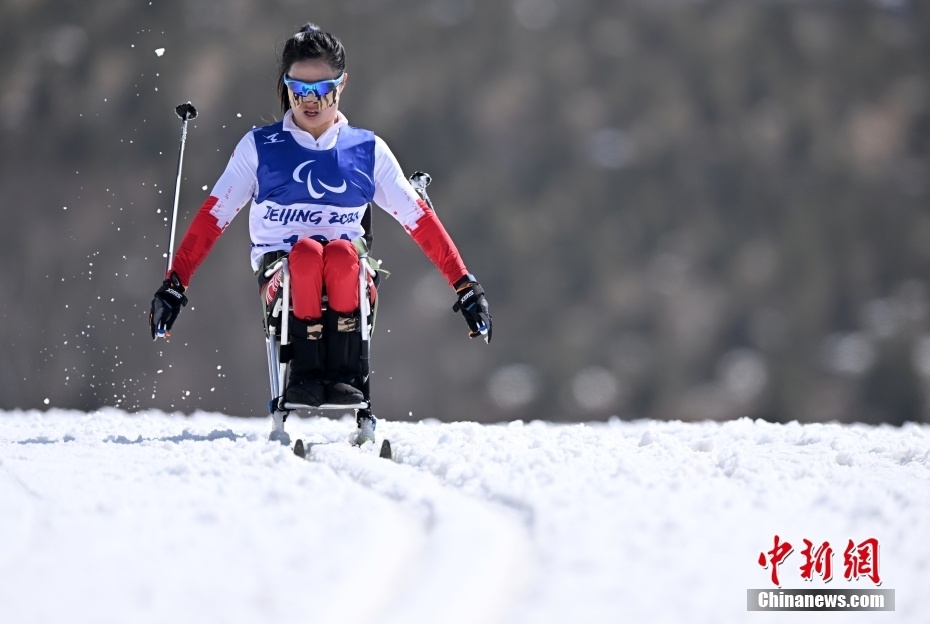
x=154 y=517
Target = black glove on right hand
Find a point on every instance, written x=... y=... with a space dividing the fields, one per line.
x=167 y=304
x=474 y=307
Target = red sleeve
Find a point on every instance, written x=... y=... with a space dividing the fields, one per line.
x=199 y=239
x=436 y=243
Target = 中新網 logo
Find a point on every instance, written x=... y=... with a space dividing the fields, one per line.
x=859 y=560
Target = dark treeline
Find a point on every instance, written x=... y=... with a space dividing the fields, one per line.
x=679 y=209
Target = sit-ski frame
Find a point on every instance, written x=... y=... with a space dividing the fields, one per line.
x=277 y=340
x=278 y=370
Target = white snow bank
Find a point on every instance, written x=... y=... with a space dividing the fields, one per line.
x=153 y=517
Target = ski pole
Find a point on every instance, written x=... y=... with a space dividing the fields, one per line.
x=419 y=180
x=185 y=111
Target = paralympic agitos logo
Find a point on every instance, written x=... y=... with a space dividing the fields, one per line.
x=308 y=215
x=297 y=175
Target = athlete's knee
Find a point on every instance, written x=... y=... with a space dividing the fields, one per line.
x=341 y=252
x=306 y=248
x=306 y=257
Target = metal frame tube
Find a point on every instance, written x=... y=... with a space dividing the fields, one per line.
x=285 y=319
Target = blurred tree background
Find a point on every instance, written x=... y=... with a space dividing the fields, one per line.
x=679 y=208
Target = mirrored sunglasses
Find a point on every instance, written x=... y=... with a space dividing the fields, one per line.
x=319 y=89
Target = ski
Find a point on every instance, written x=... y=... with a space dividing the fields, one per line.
x=303 y=450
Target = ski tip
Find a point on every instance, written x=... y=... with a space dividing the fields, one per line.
x=299 y=449
x=386 y=451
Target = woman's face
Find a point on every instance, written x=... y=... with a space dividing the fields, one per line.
x=312 y=114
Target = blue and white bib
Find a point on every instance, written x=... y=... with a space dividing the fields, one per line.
x=304 y=192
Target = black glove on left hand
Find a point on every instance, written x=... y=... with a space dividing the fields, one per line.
x=474 y=307
x=167 y=304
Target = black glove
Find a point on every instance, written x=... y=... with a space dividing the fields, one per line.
x=473 y=306
x=166 y=306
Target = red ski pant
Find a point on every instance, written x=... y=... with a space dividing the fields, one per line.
x=315 y=266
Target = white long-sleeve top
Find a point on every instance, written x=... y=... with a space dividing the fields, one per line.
x=238 y=185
